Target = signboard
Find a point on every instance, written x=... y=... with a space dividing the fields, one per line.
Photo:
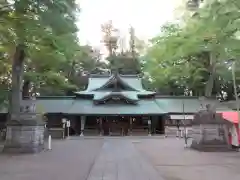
x=68 y=124
x=182 y=117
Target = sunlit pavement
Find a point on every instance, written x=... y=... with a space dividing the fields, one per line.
x=120 y=158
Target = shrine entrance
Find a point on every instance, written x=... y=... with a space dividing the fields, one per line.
x=118 y=125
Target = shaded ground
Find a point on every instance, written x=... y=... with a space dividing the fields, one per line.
x=69 y=159
x=121 y=158
x=173 y=162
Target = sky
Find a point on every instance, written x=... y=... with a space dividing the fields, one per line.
x=146 y=16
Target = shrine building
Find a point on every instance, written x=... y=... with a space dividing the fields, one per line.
x=116 y=104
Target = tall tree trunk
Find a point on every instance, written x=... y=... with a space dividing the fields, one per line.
x=17 y=78
x=26 y=89
x=212 y=75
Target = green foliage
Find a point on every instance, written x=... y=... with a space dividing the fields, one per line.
x=55 y=59
x=125 y=60
x=192 y=56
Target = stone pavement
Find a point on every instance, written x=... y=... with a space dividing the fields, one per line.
x=81 y=159
x=69 y=159
x=121 y=158
x=174 y=162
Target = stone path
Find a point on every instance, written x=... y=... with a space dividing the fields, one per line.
x=81 y=159
x=174 y=162
x=68 y=160
x=119 y=160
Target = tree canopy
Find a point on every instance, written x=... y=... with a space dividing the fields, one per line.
x=194 y=57
x=55 y=63
x=121 y=56
x=190 y=57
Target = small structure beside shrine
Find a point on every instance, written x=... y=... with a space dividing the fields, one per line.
x=210 y=131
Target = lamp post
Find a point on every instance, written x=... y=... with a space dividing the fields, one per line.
x=235 y=91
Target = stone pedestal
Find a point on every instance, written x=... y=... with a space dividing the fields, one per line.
x=24 y=135
x=210 y=138
x=209 y=131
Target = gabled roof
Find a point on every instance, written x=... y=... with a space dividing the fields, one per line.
x=115 y=78
x=133 y=81
x=98 y=84
x=129 y=95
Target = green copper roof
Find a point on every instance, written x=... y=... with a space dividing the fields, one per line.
x=103 y=93
x=84 y=106
x=172 y=105
x=52 y=105
x=188 y=105
x=96 y=82
x=143 y=107
x=100 y=83
x=130 y=95
x=100 y=95
x=133 y=81
x=125 y=94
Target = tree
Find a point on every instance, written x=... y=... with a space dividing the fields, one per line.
x=54 y=58
x=124 y=60
x=110 y=37
x=24 y=24
x=195 y=54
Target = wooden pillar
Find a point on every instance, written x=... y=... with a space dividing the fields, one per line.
x=100 y=126
x=130 y=123
x=155 y=124
x=83 y=120
x=149 y=127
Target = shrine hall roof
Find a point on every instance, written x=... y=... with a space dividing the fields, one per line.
x=87 y=107
x=160 y=105
x=98 y=81
x=143 y=107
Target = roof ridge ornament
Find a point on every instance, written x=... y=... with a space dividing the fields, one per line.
x=115 y=71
